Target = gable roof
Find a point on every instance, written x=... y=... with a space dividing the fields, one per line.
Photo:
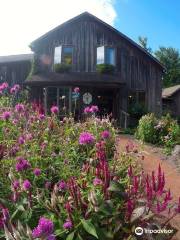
x=168 y=92
x=87 y=14
x=16 y=58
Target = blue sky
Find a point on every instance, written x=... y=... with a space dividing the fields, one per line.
x=22 y=21
x=158 y=20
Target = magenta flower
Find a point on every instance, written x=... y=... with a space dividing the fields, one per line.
x=105 y=134
x=97 y=182
x=87 y=110
x=41 y=116
x=22 y=164
x=94 y=109
x=76 y=90
x=16 y=184
x=19 y=107
x=37 y=172
x=54 y=109
x=68 y=224
x=4 y=85
x=45 y=228
x=6 y=115
x=86 y=138
x=26 y=185
x=62 y=185
x=15 y=89
x=21 y=140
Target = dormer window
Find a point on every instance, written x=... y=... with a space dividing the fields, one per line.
x=106 y=55
x=63 y=54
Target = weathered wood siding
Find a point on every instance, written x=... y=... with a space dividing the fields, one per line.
x=135 y=67
x=14 y=72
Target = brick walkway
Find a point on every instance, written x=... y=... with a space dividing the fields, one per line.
x=151 y=162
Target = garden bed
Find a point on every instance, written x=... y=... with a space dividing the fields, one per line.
x=67 y=180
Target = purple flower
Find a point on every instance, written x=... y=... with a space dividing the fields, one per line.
x=37 y=172
x=19 y=107
x=62 y=185
x=86 y=138
x=97 y=181
x=76 y=90
x=6 y=115
x=21 y=140
x=68 y=224
x=54 y=109
x=26 y=185
x=22 y=164
x=41 y=116
x=45 y=228
x=105 y=134
x=15 y=89
x=16 y=184
x=94 y=109
x=87 y=110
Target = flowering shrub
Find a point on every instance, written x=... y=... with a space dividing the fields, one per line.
x=66 y=180
x=164 y=131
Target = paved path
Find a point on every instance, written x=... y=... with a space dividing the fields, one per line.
x=152 y=159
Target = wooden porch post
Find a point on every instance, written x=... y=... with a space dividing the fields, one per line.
x=45 y=99
x=70 y=99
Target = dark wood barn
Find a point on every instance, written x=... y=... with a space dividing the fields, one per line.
x=171 y=101
x=111 y=70
x=14 y=69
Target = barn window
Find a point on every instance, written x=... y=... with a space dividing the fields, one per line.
x=63 y=54
x=67 y=55
x=105 y=55
x=110 y=56
x=57 y=54
x=137 y=97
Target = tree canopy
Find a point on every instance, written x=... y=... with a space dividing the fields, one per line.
x=170 y=58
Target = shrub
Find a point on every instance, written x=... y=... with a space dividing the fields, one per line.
x=146 y=130
x=164 y=131
x=105 y=68
x=62 y=68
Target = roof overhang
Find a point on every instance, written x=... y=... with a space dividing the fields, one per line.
x=74 y=79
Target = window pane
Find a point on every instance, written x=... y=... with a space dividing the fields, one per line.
x=100 y=55
x=67 y=55
x=141 y=98
x=57 y=54
x=110 y=56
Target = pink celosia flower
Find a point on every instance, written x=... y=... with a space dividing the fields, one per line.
x=86 y=138
x=44 y=229
x=19 y=107
x=105 y=134
x=94 y=109
x=22 y=164
x=21 y=140
x=54 y=109
x=37 y=172
x=97 y=182
x=6 y=115
x=87 y=110
x=26 y=185
x=68 y=224
x=16 y=184
x=62 y=185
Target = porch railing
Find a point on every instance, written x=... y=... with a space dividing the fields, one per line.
x=124 y=118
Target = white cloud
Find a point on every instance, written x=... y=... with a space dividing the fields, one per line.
x=22 y=21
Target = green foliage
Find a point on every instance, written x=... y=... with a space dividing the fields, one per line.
x=143 y=41
x=62 y=68
x=137 y=110
x=164 y=131
x=105 y=68
x=170 y=58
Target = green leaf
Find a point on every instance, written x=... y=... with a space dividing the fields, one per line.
x=70 y=236
x=89 y=227
x=114 y=187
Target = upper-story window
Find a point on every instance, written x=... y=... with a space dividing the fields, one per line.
x=106 y=55
x=63 y=54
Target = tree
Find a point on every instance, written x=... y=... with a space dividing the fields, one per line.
x=143 y=41
x=170 y=58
